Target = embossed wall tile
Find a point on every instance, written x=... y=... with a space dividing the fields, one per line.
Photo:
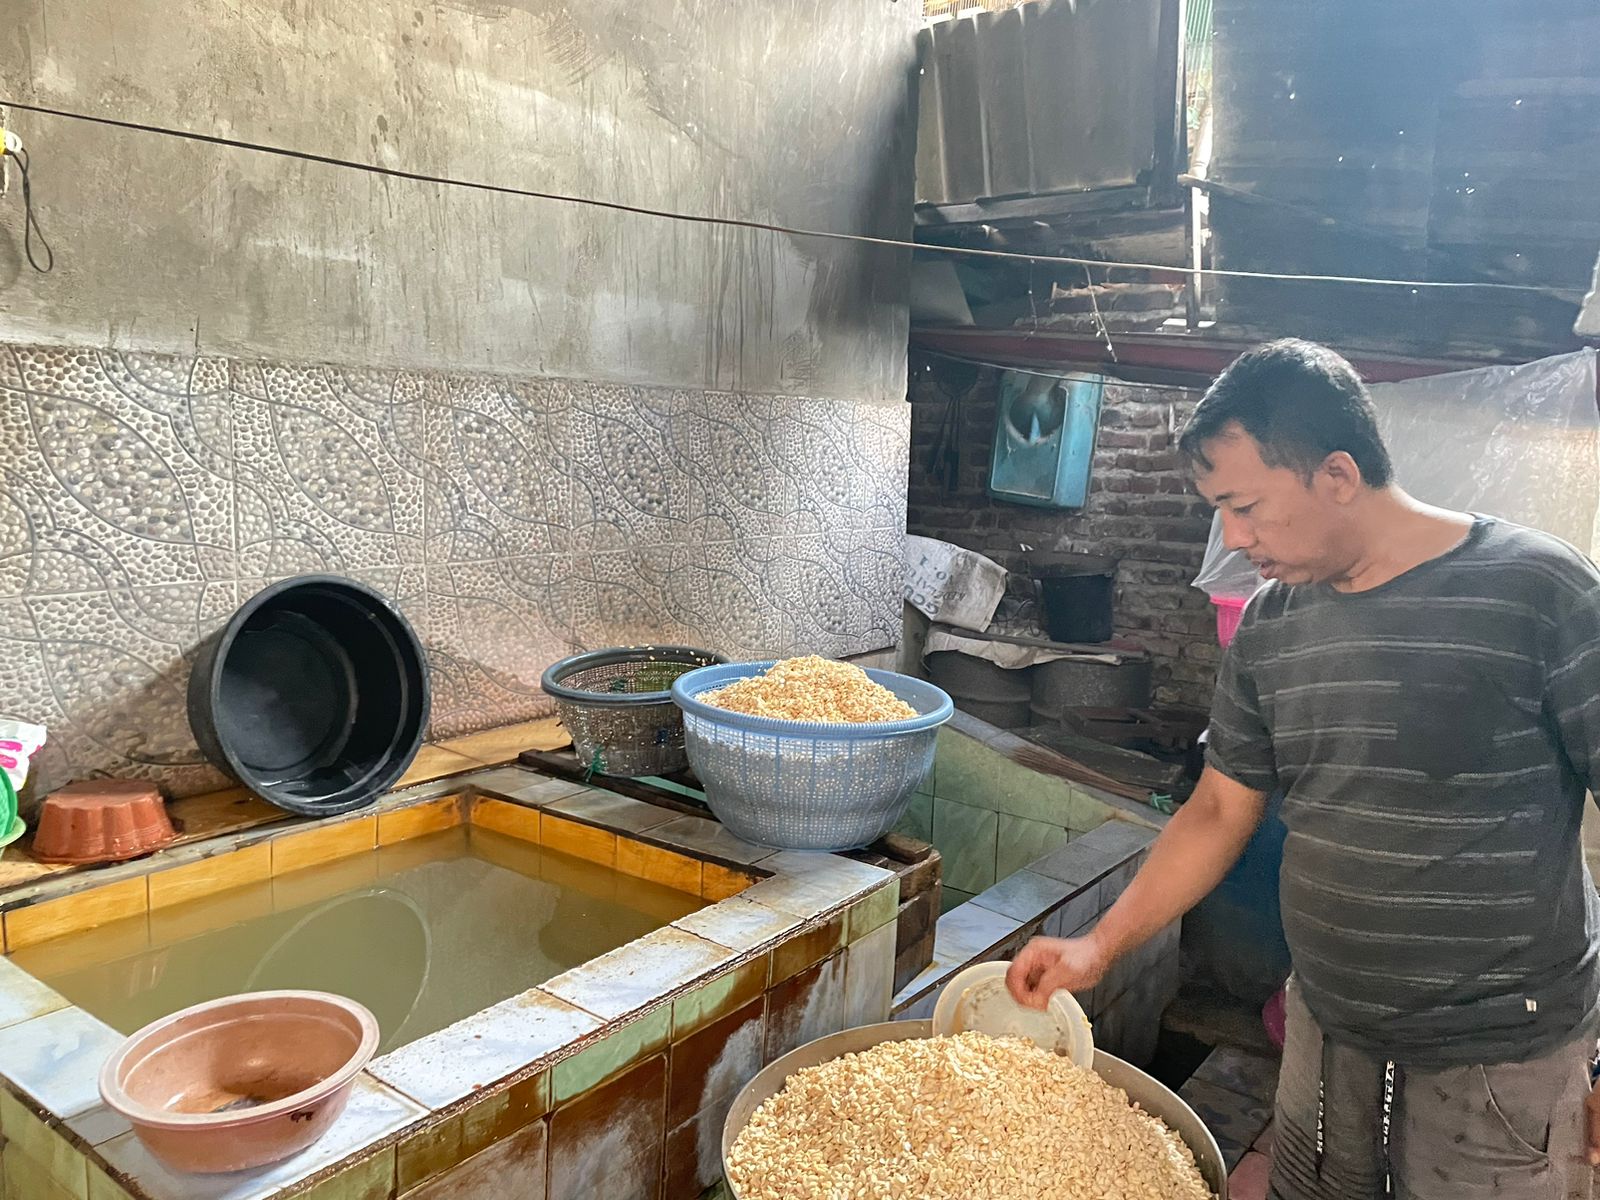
x=489 y=642
x=325 y=470
x=109 y=479
x=107 y=674
x=512 y=521
x=495 y=484
x=629 y=488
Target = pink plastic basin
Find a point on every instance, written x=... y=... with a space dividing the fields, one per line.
x=1229 y=610
x=240 y=1082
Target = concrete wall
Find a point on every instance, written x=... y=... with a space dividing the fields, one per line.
x=795 y=112
x=537 y=427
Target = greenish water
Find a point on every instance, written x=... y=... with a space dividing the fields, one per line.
x=423 y=933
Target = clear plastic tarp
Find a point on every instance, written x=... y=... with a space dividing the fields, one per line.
x=1522 y=443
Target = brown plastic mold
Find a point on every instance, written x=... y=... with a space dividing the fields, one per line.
x=100 y=821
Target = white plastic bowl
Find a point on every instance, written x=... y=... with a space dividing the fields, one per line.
x=976 y=1001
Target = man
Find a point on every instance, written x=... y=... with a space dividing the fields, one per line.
x=1424 y=687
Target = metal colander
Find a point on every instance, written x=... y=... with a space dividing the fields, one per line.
x=617 y=705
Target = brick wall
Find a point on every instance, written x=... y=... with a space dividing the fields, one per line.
x=1140 y=510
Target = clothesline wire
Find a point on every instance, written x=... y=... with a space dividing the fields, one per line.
x=764 y=226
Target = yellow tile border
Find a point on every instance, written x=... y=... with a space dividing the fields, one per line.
x=502 y=816
x=719 y=882
x=666 y=867
x=415 y=820
x=219 y=873
x=588 y=842
x=323 y=844
x=434 y=762
x=71 y=914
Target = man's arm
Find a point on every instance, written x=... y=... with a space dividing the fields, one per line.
x=1201 y=842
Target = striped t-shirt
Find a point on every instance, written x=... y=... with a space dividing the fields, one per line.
x=1433 y=738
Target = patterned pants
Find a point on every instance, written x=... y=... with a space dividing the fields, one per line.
x=1352 y=1127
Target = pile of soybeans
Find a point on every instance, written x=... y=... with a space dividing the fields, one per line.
x=968 y=1117
x=812 y=689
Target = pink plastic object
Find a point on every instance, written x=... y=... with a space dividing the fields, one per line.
x=1273 y=1017
x=1229 y=611
x=240 y=1082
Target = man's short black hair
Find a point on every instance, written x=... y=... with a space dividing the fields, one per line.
x=1301 y=402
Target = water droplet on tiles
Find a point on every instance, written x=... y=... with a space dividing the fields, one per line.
x=1400 y=132
x=1516 y=104
x=1471 y=190
x=1291 y=95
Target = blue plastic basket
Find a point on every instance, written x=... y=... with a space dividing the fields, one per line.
x=799 y=785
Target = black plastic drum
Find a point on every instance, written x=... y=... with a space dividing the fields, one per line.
x=314 y=695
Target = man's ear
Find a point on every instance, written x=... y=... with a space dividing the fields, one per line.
x=1341 y=476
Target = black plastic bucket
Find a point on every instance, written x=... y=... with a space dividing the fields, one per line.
x=1077 y=595
x=314 y=695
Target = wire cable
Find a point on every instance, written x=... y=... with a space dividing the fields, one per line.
x=30 y=220
x=767 y=227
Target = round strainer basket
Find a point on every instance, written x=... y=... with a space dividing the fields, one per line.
x=798 y=785
x=617 y=705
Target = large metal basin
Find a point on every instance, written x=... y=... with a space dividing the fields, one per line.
x=1155 y=1098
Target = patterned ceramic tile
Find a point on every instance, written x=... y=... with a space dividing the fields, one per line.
x=147 y=447
x=326 y=463
x=482 y=1049
x=513 y=521
x=609 y=1142
x=374 y=1112
x=491 y=492
x=629 y=488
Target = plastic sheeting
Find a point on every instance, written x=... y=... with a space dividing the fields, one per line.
x=1522 y=443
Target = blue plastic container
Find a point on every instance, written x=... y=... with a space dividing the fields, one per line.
x=797 y=785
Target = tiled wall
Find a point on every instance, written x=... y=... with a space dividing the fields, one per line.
x=512 y=520
x=990 y=817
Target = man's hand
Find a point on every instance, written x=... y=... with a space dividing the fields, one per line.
x=1047 y=965
x=1591 y=1109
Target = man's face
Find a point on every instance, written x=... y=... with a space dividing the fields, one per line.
x=1289 y=528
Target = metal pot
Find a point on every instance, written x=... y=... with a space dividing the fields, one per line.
x=1155 y=1098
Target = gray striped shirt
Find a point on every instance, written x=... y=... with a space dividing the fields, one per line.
x=1434 y=738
